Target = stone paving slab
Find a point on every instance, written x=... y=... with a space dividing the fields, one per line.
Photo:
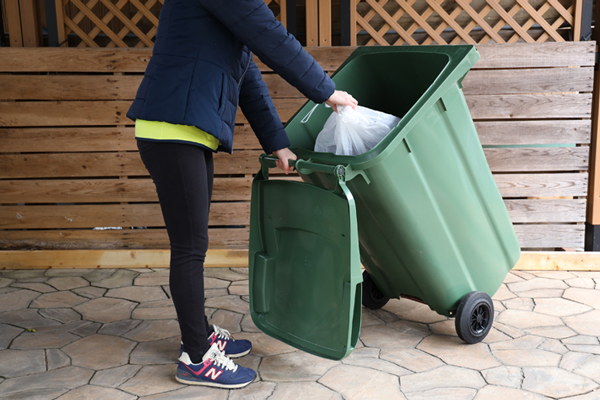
x=112 y=334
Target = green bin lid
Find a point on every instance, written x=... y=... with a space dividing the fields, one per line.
x=305 y=274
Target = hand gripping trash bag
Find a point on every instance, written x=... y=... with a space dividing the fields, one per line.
x=351 y=132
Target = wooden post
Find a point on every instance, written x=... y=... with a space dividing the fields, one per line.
x=283 y=12
x=577 y=21
x=23 y=27
x=592 y=224
x=312 y=23
x=318 y=23
x=325 y=23
x=13 y=19
x=29 y=23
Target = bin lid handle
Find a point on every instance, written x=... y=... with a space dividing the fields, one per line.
x=306 y=167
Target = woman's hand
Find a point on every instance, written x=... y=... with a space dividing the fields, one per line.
x=284 y=155
x=339 y=98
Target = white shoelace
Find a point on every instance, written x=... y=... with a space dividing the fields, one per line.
x=222 y=333
x=222 y=360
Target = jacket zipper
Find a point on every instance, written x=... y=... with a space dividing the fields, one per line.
x=246 y=70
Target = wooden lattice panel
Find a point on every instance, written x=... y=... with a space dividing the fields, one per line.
x=395 y=22
x=107 y=23
x=122 y=23
x=278 y=8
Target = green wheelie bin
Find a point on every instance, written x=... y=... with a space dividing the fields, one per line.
x=420 y=211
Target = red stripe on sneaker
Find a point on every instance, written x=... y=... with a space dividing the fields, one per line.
x=206 y=364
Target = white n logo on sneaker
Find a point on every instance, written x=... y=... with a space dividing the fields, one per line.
x=221 y=345
x=214 y=374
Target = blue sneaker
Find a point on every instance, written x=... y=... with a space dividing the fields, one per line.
x=226 y=343
x=215 y=370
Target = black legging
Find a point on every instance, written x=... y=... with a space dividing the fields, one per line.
x=183 y=175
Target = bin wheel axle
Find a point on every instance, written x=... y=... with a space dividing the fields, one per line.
x=372 y=297
x=474 y=317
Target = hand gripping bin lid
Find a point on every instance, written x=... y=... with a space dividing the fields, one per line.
x=431 y=222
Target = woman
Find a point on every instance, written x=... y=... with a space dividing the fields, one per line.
x=185 y=110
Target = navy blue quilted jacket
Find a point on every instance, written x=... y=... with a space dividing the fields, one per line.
x=202 y=67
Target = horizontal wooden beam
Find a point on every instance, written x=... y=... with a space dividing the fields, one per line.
x=558 y=261
x=542 y=185
x=231 y=213
x=538 y=159
x=528 y=55
x=59 y=59
x=85 y=239
x=45 y=259
x=108 y=164
x=525 y=133
x=545 y=236
x=69 y=87
x=70 y=140
x=110 y=113
x=124 y=87
x=546 y=210
x=100 y=113
x=530 y=106
x=509 y=55
x=110 y=215
x=533 y=80
x=34 y=191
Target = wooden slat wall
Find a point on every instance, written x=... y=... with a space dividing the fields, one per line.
x=539 y=97
x=69 y=163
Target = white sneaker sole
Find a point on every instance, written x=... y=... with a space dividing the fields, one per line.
x=214 y=384
x=239 y=354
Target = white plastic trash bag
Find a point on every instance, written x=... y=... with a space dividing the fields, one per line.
x=351 y=132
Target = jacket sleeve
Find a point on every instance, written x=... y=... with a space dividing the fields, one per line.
x=258 y=107
x=253 y=23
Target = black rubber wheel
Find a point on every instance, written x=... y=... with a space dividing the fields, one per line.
x=372 y=297
x=474 y=317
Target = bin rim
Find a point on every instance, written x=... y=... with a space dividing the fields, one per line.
x=461 y=60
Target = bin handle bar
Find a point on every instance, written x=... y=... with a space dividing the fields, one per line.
x=306 y=167
x=302 y=166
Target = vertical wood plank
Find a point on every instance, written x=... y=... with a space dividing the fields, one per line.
x=60 y=23
x=312 y=23
x=283 y=12
x=13 y=19
x=577 y=20
x=325 y=23
x=29 y=23
x=593 y=204
x=593 y=198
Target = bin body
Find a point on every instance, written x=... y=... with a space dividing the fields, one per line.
x=431 y=221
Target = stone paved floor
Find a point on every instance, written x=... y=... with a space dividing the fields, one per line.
x=112 y=334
